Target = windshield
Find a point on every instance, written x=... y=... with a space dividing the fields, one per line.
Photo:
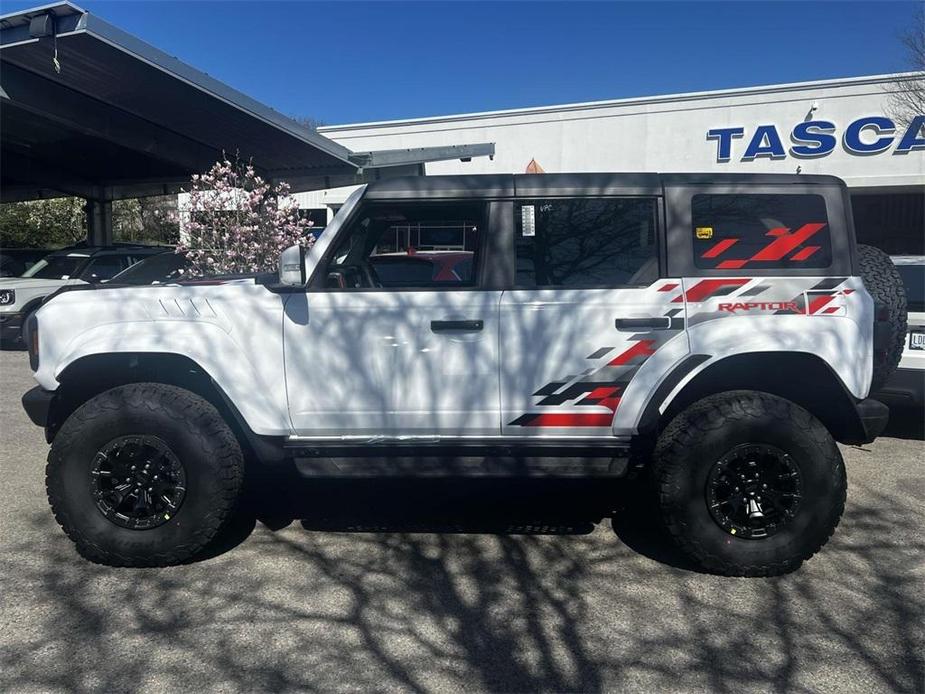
x=164 y=267
x=316 y=252
x=914 y=279
x=56 y=267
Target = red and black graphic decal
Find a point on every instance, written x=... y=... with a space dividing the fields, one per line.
x=600 y=388
x=764 y=296
x=823 y=300
x=709 y=289
x=731 y=253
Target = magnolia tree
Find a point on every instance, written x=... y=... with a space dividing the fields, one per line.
x=238 y=222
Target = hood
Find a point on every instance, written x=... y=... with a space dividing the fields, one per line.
x=30 y=283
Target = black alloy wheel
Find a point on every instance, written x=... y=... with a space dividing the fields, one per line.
x=137 y=482
x=754 y=491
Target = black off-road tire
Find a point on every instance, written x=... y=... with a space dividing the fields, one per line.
x=194 y=432
x=701 y=435
x=884 y=284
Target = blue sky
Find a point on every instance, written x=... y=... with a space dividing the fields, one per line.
x=349 y=61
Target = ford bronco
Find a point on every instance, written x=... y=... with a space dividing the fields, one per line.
x=715 y=335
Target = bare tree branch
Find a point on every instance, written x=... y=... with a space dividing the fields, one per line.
x=907 y=94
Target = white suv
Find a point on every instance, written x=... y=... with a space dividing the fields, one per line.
x=712 y=331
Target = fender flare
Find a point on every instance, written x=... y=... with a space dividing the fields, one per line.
x=819 y=390
x=263 y=406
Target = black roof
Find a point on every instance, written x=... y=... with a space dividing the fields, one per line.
x=554 y=185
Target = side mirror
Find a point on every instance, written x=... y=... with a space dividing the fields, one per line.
x=291 y=267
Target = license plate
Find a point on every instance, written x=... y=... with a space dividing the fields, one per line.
x=917 y=339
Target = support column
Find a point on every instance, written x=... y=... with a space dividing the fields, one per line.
x=99 y=222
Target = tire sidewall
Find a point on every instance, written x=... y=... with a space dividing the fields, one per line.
x=70 y=479
x=822 y=479
x=885 y=286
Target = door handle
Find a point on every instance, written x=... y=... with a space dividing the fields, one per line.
x=440 y=326
x=650 y=323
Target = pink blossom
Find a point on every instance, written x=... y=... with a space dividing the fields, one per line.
x=239 y=222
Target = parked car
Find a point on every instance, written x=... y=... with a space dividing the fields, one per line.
x=156 y=269
x=20 y=296
x=173 y=268
x=716 y=333
x=15 y=261
x=424 y=268
x=907 y=385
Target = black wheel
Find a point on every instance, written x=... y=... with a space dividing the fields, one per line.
x=749 y=484
x=144 y=475
x=884 y=284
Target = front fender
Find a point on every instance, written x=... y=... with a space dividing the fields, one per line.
x=256 y=390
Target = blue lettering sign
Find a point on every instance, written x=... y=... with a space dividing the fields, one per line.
x=880 y=125
x=765 y=143
x=812 y=139
x=817 y=138
x=911 y=140
x=724 y=137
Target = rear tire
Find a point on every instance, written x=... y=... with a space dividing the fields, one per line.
x=168 y=429
x=884 y=284
x=704 y=449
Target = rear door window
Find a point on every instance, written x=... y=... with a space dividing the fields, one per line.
x=755 y=231
x=590 y=243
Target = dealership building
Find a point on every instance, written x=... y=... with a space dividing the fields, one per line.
x=843 y=127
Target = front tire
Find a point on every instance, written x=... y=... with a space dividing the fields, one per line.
x=749 y=484
x=145 y=474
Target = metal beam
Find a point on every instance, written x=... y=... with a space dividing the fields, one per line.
x=24 y=170
x=302 y=182
x=419 y=155
x=99 y=222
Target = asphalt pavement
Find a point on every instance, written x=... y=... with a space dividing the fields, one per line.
x=444 y=586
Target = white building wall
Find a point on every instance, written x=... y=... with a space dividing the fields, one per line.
x=657 y=134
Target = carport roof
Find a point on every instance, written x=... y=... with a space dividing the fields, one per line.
x=123 y=119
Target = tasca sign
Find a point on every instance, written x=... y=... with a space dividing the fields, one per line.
x=819 y=138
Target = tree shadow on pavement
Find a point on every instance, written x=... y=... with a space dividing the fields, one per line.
x=497 y=600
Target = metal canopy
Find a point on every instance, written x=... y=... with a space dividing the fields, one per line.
x=123 y=119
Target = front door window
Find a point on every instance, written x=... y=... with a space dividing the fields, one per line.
x=411 y=246
x=399 y=339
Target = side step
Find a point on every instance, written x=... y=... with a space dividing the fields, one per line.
x=440 y=459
